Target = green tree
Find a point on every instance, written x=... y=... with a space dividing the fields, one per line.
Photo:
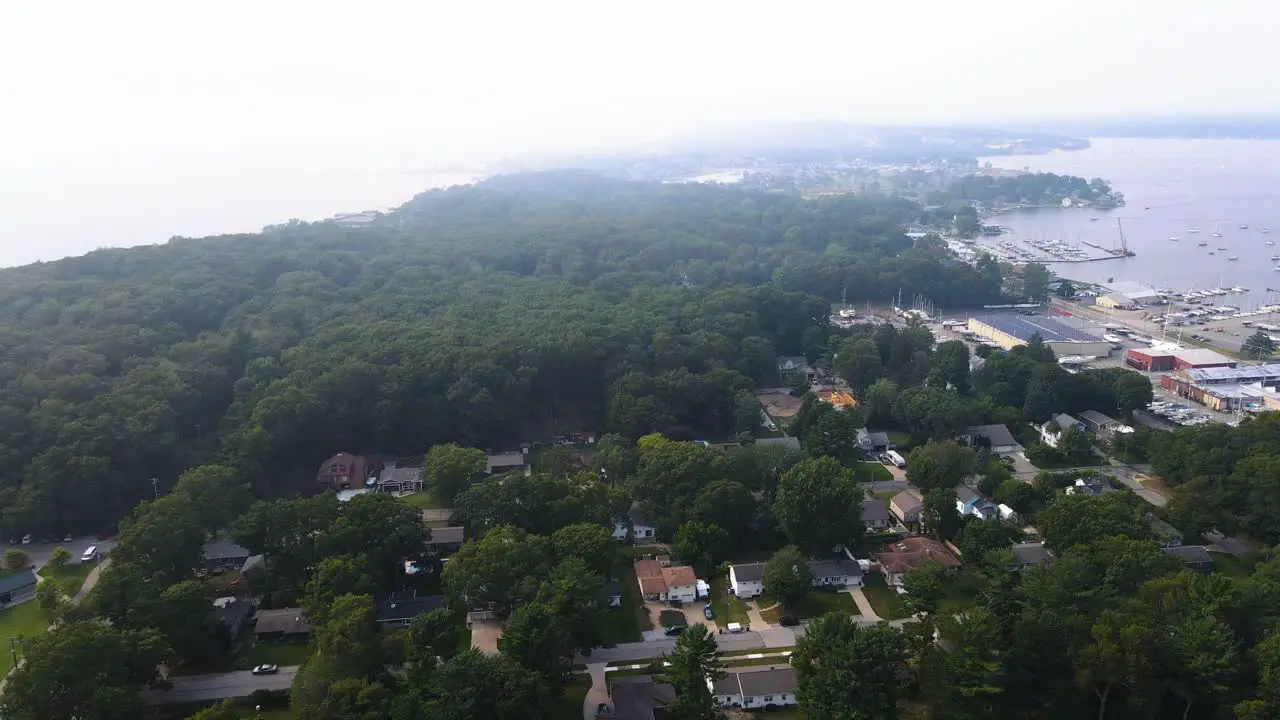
x=354 y=699
x=471 y=685
x=981 y=537
x=334 y=577
x=1076 y=446
x=819 y=505
x=951 y=366
x=504 y=567
x=1066 y=289
x=1258 y=346
x=225 y=710
x=1042 y=392
x=939 y=516
x=787 y=576
x=694 y=661
x=1133 y=391
x=576 y=595
x=59 y=557
x=84 y=669
x=1072 y=520
x=51 y=598
x=970 y=674
x=15 y=559
x=844 y=670
x=593 y=544
x=380 y=526
x=940 y=464
x=835 y=434
x=434 y=634
x=450 y=468
x=165 y=537
x=537 y=638
x=1035 y=282
x=858 y=362
x=1121 y=654
x=729 y=504
x=882 y=396
x=746 y=413
x=217 y=493
x=702 y=545
x=182 y=614
x=926 y=585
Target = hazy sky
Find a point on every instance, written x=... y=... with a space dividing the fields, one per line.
x=166 y=100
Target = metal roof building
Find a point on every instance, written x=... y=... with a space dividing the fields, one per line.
x=1010 y=330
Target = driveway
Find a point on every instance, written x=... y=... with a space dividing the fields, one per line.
x=598 y=693
x=484 y=636
x=218 y=686
x=892 y=486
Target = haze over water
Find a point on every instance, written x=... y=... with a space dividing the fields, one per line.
x=1170 y=186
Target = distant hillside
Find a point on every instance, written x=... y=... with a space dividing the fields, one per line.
x=1262 y=127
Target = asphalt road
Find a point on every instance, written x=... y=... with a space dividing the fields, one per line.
x=39 y=552
x=218 y=686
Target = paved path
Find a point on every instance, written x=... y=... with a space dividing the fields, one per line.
x=218 y=686
x=754 y=618
x=599 y=692
x=864 y=605
x=90 y=581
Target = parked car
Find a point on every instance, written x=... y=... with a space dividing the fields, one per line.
x=266 y=670
x=601 y=709
x=26 y=539
x=674 y=630
x=788 y=621
x=706 y=611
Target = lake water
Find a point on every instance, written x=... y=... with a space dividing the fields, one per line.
x=1170 y=186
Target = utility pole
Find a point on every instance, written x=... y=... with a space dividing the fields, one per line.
x=155 y=488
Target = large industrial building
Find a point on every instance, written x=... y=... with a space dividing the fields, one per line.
x=1010 y=330
x=1224 y=388
x=1130 y=294
x=1163 y=357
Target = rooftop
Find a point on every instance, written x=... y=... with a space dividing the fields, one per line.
x=1031 y=553
x=911 y=552
x=405 y=606
x=834 y=568
x=787 y=442
x=874 y=510
x=681 y=575
x=506 y=459
x=399 y=475
x=1023 y=327
x=907 y=500
x=221 y=548
x=1132 y=290
x=1095 y=418
x=1236 y=374
x=753 y=682
x=1190 y=554
x=447 y=535
x=1202 y=356
x=288 y=621
x=18 y=580
x=749 y=572
x=994 y=434
x=636 y=697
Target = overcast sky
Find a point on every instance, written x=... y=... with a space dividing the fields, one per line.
x=226 y=88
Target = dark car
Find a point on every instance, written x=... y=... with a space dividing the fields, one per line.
x=788 y=621
x=706 y=611
x=674 y=631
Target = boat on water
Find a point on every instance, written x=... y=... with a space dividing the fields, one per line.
x=1222 y=248
x=1233 y=257
x=1202 y=243
x=1271 y=242
x=1093 y=219
x=1217 y=234
x=1244 y=227
x=1275 y=257
x=1173 y=238
x=1264 y=231
x=1193 y=231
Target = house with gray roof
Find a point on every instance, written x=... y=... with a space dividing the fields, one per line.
x=746 y=580
x=396 y=479
x=223 y=554
x=756 y=688
x=637 y=697
x=1029 y=555
x=445 y=540
x=875 y=514
x=907 y=506
x=996 y=438
x=794 y=366
x=18 y=587
x=1052 y=431
x=873 y=441
x=1194 y=557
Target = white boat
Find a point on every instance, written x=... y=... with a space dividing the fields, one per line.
x=1217 y=235
x=1193 y=231
x=1222 y=248
x=1275 y=257
x=1233 y=257
x=1173 y=238
x=1244 y=227
x=1112 y=338
x=1202 y=243
x=1271 y=242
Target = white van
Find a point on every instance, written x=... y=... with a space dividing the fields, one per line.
x=90 y=554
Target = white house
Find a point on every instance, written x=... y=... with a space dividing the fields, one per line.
x=635 y=527
x=756 y=688
x=747 y=580
x=969 y=502
x=666 y=583
x=1051 y=434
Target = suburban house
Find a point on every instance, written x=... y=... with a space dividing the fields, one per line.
x=907 y=554
x=1194 y=557
x=446 y=540
x=1103 y=426
x=283 y=625
x=790 y=368
x=232 y=614
x=613 y=590
x=345 y=471
x=969 y=502
x=1052 y=431
x=871 y=442
x=222 y=554
x=666 y=583
x=1029 y=555
x=397 y=479
x=746 y=580
x=995 y=438
x=839 y=573
x=875 y=514
x=18 y=587
x=907 y=506
x=402 y=607
x=1167 y=535
x=756 y=688
x=637 y=697
x=1094 y=486
x=636 y=527
x=500 y=462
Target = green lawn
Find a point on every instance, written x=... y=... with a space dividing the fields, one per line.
x=1230 y=565
x=726 y=608
x=26 y=620
x=872 y=472
x=884 y=599
x=636 y=617
x=961 y=592
x=422 y=500
x=814 y=604
x=282 y=654
x=885 y=497
x=671 y=618
x=575 y=693
x=70 y=576
x=901 y=441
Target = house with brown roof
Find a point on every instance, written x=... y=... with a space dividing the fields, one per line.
x=282 y=625
x=907 y=554
x=345 y=471
x=666 y=583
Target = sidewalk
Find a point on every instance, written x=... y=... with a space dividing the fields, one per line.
x=599 y=692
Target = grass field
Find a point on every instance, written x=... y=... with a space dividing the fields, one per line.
x=422 y=500
x=961 y=592
x=814 y=604
x=70 y=577
x=282 y=654
x=625 y=624
x=726 y=608
x=884 y=600
x=872 y=472
x=569 y=706
x=26 y=620
x=901 y=441
x=671 y=618
x=1230 y=565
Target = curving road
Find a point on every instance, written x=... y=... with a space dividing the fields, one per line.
x=218 y=686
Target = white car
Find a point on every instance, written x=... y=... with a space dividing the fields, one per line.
x=266 y=670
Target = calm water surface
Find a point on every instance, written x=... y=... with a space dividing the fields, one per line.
x=1171 y=186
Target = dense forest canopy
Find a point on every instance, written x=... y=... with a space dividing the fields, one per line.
x=483 y=315
x=1029 y=188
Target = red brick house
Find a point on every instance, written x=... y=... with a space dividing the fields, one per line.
x=345 y=471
